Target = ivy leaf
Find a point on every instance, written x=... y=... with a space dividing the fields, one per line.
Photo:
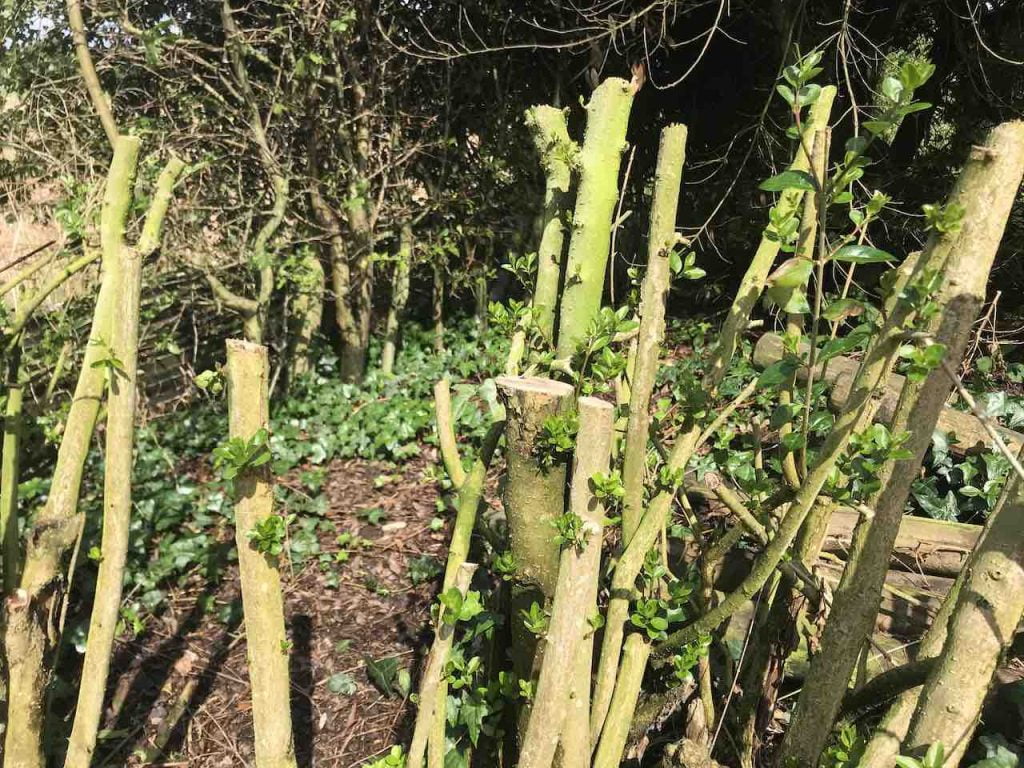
x=788 y=180
x=855 y=253
x=383 y=674
x=777 y=373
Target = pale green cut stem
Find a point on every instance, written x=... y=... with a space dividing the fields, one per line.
x=160 y=202
x=32 y=303
x=262 y=599
x=986 y=189
x=661 y=239
x=578 y=575
x=635 y=654
x=117 y=489
x=753 y=280
x=446 y=433
x=434 y=672
x=557 y=155
x=981 y=629
x=467 y=505
x=26 y=273
x=623 y=587
x=598 y=190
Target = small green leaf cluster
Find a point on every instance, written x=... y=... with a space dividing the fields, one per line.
x=210 y=381
x=535 y=619
x=109 y=362
x=508 y=318
x=897 y=94
x=522 y=266
x=239 y=454
x=269 y=535
x=798 y=90
x=684 y=264
x=608 y=487
x=571 y=530
x=846 y=750
x=933 y=758
x=597 y=361
x=504 y=564
x=944 y=219
x=921 y=359
x=867 y=452
x=684 y=662
x=457 y=607
x=649 y=616
x=395 y=758
x=919 y=297
x=557 y=438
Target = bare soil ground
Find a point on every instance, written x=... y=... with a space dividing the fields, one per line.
x=184 y=681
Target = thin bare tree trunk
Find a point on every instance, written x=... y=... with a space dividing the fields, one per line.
x=399 y=298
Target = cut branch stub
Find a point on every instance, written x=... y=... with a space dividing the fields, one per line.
x=534 y=498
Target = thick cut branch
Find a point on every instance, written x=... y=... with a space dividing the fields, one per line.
x=988 y=610
x=30 y=638
x=10 y=471
x=121 y=364
x=635 y=653
x=534 y=499
x=599 y=161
